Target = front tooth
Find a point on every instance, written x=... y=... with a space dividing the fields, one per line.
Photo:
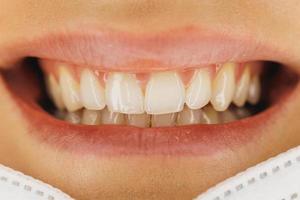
x=70 y=90
x=223 y=87
x=91 y=117
x=198 y=93
x=210 y=116
x=55 y=92
x=242 y=88
x=163 y=120
x=188 y=116
x=254 y=90
x=124 y=94
x=165 y=93
x=91 y=92
x=73 y=117
x=139 y=120
x=109 y=117
x=228 y=116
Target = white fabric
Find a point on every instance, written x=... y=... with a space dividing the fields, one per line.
x=275 y=179
x=17 y=186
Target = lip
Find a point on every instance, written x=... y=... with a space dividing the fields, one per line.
x=153 y=52
x=123 y=51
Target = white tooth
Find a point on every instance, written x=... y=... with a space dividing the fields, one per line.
x=198 y=93
x=109 y=117
x=254 y=90
x=223 y=87
x=91 y=92
x=210 y=116
x=55 y=92
x=163 y=120
x=189 y=116
x=73 y=117
x=70 y=90
x=91 y=117
x=124 y=94
x=139 y=120
x=228 y=116
x=165 y=93
x=242 y=88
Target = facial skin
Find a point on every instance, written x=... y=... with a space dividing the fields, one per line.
x=144 y=177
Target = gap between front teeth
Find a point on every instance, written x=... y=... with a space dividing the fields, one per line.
x=164 y=94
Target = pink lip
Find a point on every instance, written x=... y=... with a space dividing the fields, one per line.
x=111 y=50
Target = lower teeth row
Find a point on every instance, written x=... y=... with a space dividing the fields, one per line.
x=206 y=115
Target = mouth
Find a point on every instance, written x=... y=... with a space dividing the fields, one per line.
x=147 y=99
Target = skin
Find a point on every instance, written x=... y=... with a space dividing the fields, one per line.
x=145 y=177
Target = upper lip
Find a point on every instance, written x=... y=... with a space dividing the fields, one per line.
x=113 y=50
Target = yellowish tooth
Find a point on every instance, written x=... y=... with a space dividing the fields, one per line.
x=210 y=115
x=228 y=116
x=242 y=113
x=165 y=93
x=254 y=90
x=223 y=87
x=198 y=93
x=91 y=117
x=139 y=120
x=188 y=116
x=91 y=91
x=163 y=120
x=55 y=92
x=70 y=90
x=124 y=94
x=73 y=117
x=242 y=88
x=109 y=117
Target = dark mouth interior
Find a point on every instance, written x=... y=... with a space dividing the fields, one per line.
x=27 y=81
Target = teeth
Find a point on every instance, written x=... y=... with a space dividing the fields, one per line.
x=254 y=90
x=91 y=117
x=228 y=116
x=55 y=92
x=223 y=87
x=124 y=94
x=109 y=117
x=91 y=92
x=163 y=120
x=139 y=120
x=165 y=93
x=73 y=117
x=210 y=115
x=198 y=94
x=70 y=90
x=188 y=116
x=242 y=88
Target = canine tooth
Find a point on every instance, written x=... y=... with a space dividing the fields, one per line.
x=109 y=117
x=210 y=115
x=198 y=93
x=70 y=90
x=73 y=117
x=223 y=87
x=124 y=94
x=91 y=92
x=189 y=116
x=165 y=93
x=242 y=88
x=254 y=90
x=139 y=120
x=228 y=116
x=55 y=92
x=163 y=120
x=91 y=117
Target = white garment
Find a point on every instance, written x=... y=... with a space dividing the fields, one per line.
x=275 y=179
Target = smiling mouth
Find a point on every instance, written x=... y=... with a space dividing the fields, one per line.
x=155 y=108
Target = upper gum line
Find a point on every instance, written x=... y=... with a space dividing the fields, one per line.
x=75 y=87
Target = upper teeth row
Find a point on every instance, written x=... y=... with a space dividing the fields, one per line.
x=164 y=93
